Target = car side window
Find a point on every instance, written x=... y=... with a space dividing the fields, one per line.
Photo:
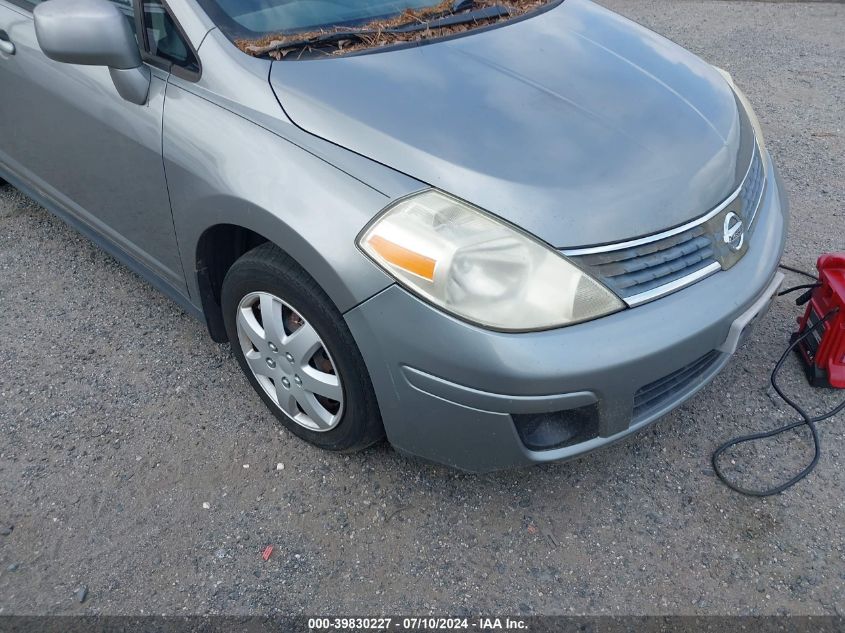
x=164 y=40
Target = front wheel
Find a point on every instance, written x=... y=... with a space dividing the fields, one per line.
x=298 y=353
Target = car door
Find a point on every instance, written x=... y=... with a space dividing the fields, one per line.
x=67 y=134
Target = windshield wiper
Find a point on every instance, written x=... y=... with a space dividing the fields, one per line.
x=485 y=13
x=462 y=12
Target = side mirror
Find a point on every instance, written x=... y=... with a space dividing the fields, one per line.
x=93 y=33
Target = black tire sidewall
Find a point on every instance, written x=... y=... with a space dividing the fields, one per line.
x=267 y=269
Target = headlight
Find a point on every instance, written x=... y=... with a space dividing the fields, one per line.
x=480 y=269
x=749 y=111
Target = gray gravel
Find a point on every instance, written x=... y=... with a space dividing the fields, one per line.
x=120 y=419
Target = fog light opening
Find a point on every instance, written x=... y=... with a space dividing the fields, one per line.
x=557 y=429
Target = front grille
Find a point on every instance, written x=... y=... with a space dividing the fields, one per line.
x=649 y=268
x=669 y=388
x=752 y=188
x=639 y=269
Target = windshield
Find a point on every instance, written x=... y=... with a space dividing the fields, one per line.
x=275 y=28
x=241 y=19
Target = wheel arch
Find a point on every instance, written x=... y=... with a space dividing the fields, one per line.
x=218 y=247
x=338 y=267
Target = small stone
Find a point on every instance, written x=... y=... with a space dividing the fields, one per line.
x=12 y=567
x=280 y=466
x=206 y=505
x=82 y=594
x=6 y=530
x=246 y=465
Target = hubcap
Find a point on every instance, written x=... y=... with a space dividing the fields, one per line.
x=307 y=388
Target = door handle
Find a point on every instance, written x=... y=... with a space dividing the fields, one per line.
x=6 y=45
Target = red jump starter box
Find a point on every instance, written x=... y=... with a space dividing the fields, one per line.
x=823 y=352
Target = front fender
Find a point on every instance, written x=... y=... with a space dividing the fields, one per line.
x=223 y=169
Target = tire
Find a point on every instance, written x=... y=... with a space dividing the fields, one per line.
x=266 y=281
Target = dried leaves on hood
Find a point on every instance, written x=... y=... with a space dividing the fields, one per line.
x=377 y=33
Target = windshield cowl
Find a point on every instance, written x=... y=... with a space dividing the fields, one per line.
x=278 y=28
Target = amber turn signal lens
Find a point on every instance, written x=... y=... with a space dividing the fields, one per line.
x=403 y=258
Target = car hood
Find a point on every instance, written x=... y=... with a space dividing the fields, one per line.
x=576 y=124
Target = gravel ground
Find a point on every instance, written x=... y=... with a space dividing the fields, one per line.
x=120 y=419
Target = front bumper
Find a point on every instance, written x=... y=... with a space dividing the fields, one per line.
x=449 y=391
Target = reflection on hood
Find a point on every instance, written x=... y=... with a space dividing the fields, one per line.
x=576 y=124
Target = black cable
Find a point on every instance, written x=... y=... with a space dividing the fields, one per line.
x=802 y=300
x=806 y=419
x=798 y=270
x=801 y=287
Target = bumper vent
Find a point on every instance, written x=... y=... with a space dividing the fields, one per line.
x=673 y=387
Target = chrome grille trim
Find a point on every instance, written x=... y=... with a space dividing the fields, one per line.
x=753 y=185
x=638 y=270
x=575 y=252
x=672 y=286
x=645 y=269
